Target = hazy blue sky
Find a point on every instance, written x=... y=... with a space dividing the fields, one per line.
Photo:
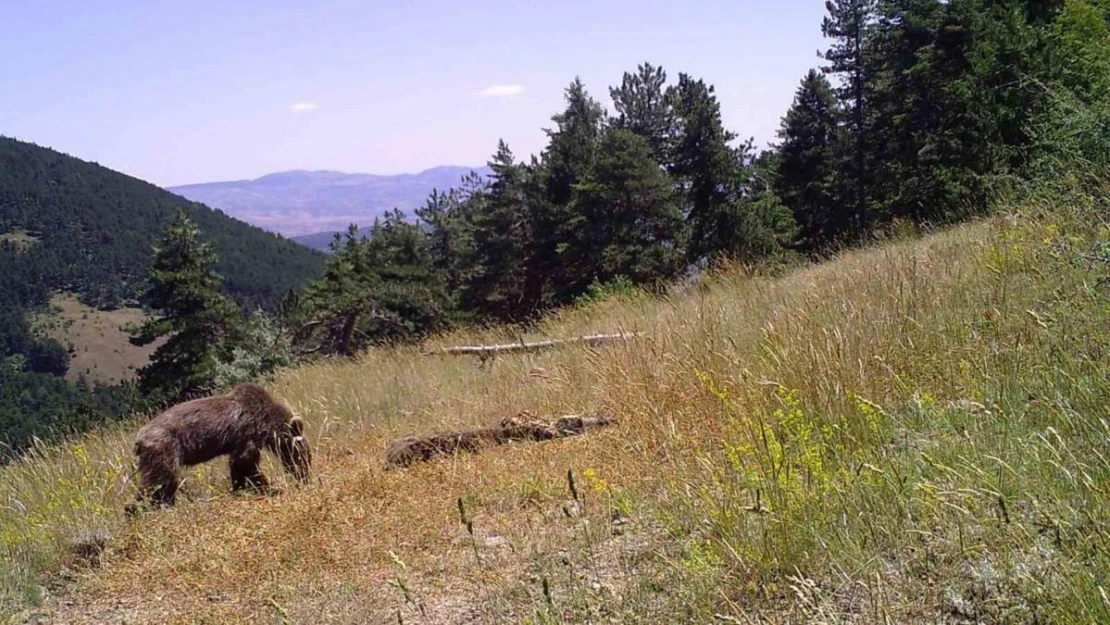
x=179 y=92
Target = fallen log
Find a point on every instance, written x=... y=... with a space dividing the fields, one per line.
x=487 y=351
x=403 y=452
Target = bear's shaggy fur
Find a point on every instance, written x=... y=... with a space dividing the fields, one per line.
x=239 y=424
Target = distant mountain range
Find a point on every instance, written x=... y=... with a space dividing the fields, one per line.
x=309 y=206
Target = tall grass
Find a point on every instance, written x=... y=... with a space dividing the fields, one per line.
x=916 y=432
x=54 y=500
x=933 y=448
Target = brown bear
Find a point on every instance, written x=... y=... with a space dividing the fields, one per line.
x=238 y=424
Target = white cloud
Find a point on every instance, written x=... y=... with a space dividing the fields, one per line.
x=758 y=90
x=303 y=107
x=501 y=91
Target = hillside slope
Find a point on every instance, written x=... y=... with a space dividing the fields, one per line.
x=93 y=229
x=913 y=433
x=296 y=203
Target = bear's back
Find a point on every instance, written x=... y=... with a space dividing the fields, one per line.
x=203 y=428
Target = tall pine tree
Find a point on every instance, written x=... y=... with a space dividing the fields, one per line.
x=197 y=320
x=411 y=298
x=848 y=23
x=807 y=165
x=704 y=166
x=448 y=218
x=643 y=107
x=333 y=306
x=502 y=243
x=634 y=226
x=378 y=288
x=560 y=245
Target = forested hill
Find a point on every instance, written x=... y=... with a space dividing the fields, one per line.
x=74 y=226
x=88 y=229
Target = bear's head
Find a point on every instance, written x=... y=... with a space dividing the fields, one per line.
x=293 y=449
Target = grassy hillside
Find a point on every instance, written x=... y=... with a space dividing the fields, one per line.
x=911 y=433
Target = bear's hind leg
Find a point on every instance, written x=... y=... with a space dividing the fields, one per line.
x=244 y=467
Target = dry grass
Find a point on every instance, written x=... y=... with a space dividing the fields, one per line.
x=910 y=433
x=19 y=238
x=101 y=350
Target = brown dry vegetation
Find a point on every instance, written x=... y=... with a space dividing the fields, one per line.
x=909 y=433
x=101 y=350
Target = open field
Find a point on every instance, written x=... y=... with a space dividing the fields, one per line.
x=912 y=433
x=101 y=350
x=18 y=238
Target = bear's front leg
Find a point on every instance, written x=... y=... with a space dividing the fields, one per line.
x=245 y=473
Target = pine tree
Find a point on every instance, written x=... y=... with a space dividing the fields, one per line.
x=847 y=24
x=332 y=307
x=902 y=90
x=704 y=165
x=559 y=251
x=760 y=225
x=940 y=137
x=573 y=144
x=411 y=299
x=1081 y=33
x=376 y=288
x=449 y=223
x=643 y=107
x=1076 y=120
x=634 y=225
x=806 y=166
x=197 y=320
x=502 y=243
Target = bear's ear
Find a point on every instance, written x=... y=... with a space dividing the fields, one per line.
x=296 y=427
